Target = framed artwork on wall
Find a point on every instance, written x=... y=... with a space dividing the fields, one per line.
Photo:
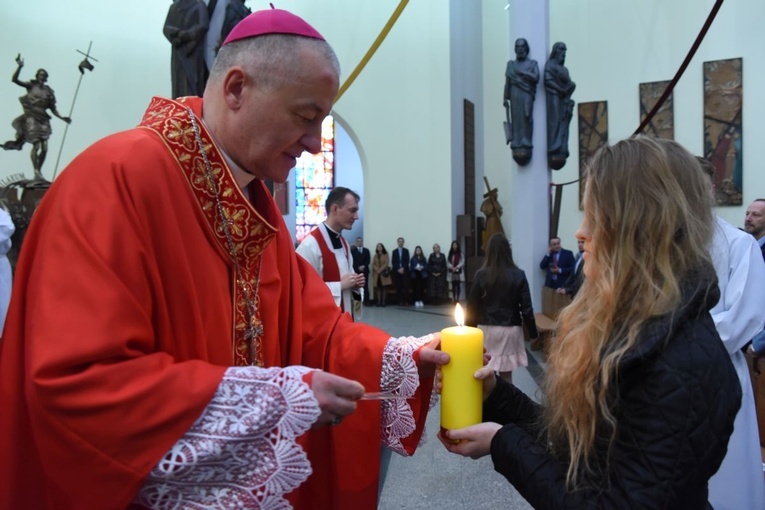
x=593 y=134
x=723 y=133
x=663 y=123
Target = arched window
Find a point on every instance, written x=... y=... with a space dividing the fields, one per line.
x=314 y=178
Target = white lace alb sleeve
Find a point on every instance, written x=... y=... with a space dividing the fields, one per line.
x=241 y=452
x=399 y=376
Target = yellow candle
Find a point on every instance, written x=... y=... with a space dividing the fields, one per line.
x=461 y=393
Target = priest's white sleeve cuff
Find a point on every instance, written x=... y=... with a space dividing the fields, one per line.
x=241 y=452
x=400 y=377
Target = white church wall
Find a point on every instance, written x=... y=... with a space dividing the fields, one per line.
x=133 y=65
x=401 y=108
x=398 y=112
x=398 y=108
x=613 y=45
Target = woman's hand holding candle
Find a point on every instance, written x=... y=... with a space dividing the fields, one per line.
x=485 y=374
x=473 y=441
x=429 y=357
x=489 y=378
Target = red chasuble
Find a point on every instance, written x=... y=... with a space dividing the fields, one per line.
x=125 y=315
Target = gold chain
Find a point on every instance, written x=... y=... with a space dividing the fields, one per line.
x=254 y=327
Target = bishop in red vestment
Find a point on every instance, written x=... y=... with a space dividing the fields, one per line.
x=160 y=342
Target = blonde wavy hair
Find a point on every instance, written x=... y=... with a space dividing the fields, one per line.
x=648 y=212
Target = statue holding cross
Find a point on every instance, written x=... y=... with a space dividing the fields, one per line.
x=492 y=209
x=33 y=126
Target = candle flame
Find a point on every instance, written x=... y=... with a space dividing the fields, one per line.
x=459 y=315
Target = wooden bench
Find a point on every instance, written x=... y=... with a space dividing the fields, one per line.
x=547 y=319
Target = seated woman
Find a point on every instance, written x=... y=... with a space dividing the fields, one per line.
x=640 y=395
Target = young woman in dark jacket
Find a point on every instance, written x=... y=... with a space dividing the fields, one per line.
x=499 y=303
x=418 y=274
x=437 y=286
x=639 y=396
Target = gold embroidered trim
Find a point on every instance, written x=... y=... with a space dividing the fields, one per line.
x=250 y=232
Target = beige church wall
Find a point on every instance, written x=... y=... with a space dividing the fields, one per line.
x=495 y=54
x=613 y=45
x=133 y=65
x=397 y=111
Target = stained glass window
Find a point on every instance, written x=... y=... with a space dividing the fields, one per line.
x=314 y=178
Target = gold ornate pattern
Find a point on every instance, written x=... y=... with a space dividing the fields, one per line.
x=250 y=232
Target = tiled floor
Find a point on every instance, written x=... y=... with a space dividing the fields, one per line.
x=434 y=478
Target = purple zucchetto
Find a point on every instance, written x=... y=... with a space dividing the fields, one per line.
x=271 y=21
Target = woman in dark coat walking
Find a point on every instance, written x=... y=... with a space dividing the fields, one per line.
x=499 y=303
x=640 y=394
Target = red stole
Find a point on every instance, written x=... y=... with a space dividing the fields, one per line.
x=330 y=270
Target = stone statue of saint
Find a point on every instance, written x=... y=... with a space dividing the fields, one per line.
x=185 y=27
x=33 y=125
x=521 y=79
x=560 y=106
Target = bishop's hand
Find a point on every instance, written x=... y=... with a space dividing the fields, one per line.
x=336 y=395
x=429 y=357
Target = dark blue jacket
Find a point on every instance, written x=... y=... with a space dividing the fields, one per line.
x=565 y=263
x=423 y=270
x=396 y=262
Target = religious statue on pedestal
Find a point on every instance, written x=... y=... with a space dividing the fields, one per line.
x=560 y=106
x=521 y=79
x=33 y=126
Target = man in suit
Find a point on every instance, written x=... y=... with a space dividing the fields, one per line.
x=361 y=260
x=754 y=222
x=400 y=274
x=558 y=262
x=575 y=279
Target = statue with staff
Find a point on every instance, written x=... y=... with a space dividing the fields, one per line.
x=521 y=79
x=33 y=126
